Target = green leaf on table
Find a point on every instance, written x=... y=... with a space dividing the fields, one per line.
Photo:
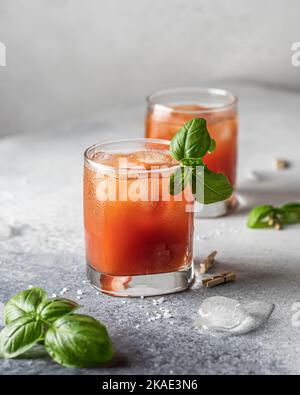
x=78 y=341
x=19 y=336
x=259 y=215
x=290 y=213
x=291 y=206
x=210 y=187
x=52 y=309
x=23 y=303
x=191 y=141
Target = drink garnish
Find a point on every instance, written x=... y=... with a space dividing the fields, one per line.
x=189 y=145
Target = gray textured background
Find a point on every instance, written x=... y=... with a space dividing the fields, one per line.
x=68 y=59
x=77 y=72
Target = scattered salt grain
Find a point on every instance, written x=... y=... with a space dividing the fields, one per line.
x=142 y=297
x=84 y=281
x=79 y=292
x=157 y=316
x=64 y=290
x=137 y=326
x=167 y=314
x=30 y=286
x=53 y=295
x=158 y=301
x=78 y=297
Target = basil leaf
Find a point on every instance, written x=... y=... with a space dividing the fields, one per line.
x=192 y=162
x=191 y=141
x=52 y=309
x=291 y=206
x=19 y=336
x=257 y=217
x=78 y=341
x=216 y=186
x=25 y=302
x=212 y=146
x=179 y=180
x=290 y=213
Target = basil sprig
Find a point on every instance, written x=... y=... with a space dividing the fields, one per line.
x=190 y=144
x=78 y=341
x=71 y=339
x=268 y=216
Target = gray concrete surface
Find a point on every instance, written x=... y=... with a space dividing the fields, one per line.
x=41 y=243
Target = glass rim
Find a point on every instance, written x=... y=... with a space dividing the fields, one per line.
x=111 y=169
x=150 y=99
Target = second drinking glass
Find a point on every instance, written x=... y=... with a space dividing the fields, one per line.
x=169 y=109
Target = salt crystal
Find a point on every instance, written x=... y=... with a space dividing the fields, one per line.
x=167 y=314
x=53 y=295
x=158 y=301
x=137 y=326
x=78 y=297
x=79 y=292
x=157 y=316
x=30 y=286
x=142 y=297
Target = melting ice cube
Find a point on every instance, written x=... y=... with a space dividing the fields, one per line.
x=228 y=316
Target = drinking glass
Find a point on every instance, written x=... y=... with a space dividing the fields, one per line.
x=169 y=109
x=139 y=237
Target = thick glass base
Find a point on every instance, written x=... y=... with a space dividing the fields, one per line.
x=216 y=210
x=141 y=285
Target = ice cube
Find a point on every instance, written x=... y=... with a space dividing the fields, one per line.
x=223 y=315
x=150 y=158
